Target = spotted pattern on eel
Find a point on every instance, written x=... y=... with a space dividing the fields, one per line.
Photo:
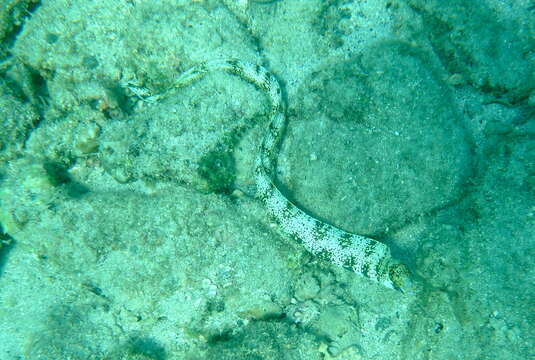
x=360 y=254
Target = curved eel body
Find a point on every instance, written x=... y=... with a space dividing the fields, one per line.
x=360 y=254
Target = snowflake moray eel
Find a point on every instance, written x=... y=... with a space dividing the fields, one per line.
x=364 y=256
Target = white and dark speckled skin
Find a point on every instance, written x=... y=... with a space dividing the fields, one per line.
x=363 y=255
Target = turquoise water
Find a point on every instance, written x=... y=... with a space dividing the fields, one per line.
x=130 y=226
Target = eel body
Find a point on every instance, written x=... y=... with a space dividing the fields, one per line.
x=363 y=255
